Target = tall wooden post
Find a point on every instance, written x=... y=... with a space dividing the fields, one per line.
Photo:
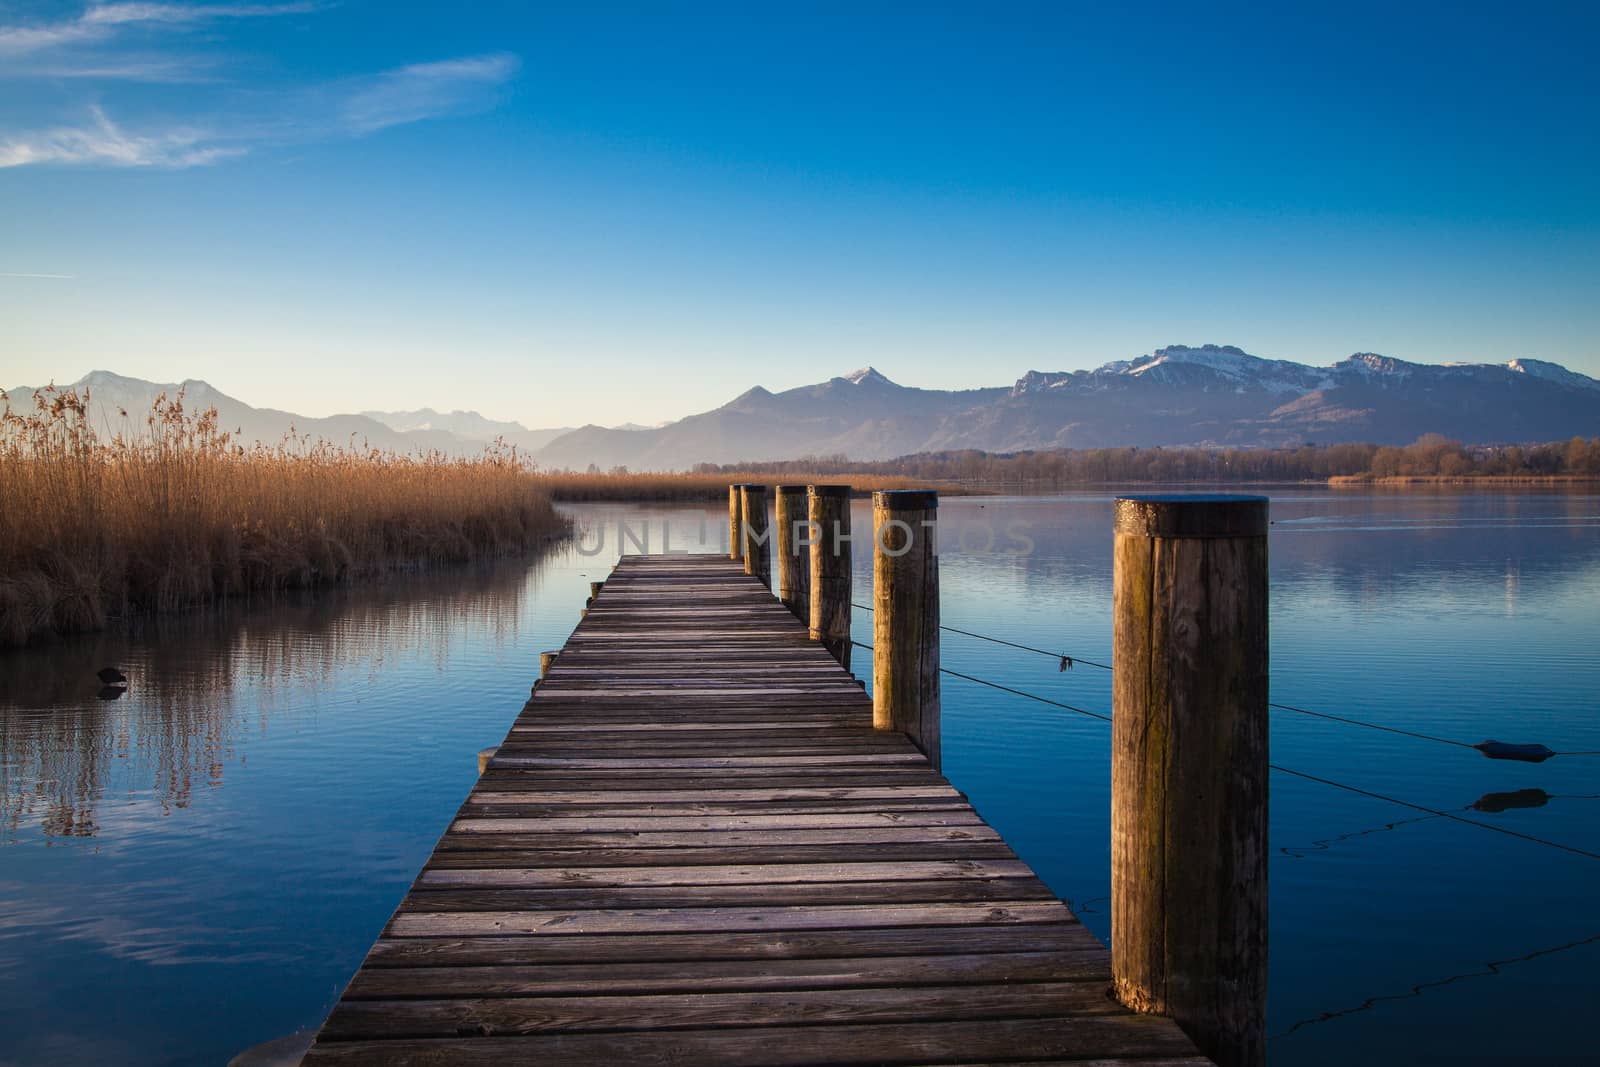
x=1189 y=768
x=905 y=617
x=828 y=509
x=546 y=661
x=793 y=550
x=753 y=523
x=735 y=513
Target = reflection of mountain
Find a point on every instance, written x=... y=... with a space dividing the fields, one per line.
x=202 y=685
x=1541 y=545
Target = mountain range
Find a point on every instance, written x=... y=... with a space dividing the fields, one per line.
x=1210 y=395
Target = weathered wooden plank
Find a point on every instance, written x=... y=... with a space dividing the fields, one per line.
x=709 y=948
x=1088 y=1041
x=466 y=853
x=693 y=848
x=483 y=808
x=730 y=920
x=752 y=895
x=725 y=874
x=501 y=838
x=536 y=794
x=490 y=1016
x=697 y=976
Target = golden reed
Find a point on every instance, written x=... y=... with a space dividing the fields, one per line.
x=181 y=515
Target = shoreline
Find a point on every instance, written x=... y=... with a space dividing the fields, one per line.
x=1363 y=481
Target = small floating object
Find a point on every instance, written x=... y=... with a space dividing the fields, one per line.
x=111 y=692
x=1066 y=664
x=1522 y=798
x=1505 y=750
x=111 y=676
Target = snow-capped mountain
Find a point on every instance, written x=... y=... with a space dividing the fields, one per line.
x=1179 y=395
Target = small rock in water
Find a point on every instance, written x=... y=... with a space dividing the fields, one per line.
x=111 y=676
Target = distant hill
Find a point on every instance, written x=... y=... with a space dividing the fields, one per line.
x=469 y=426
x=1211 y=395
x=458 y=433
x=112 y=395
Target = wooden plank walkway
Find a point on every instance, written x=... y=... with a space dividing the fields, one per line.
x=694 y=849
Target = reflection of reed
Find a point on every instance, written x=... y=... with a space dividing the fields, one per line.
x=1489 y=970
x=201 y=684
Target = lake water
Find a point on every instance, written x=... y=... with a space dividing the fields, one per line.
x=201 y=864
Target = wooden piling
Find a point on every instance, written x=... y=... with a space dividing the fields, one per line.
x=1189 y=768
x=594 y=589
x=905 y=617
x=756 y=533
x=484 y=756
x=793 y=549
x=828 y=618
x=546 y=661
x=735 y=513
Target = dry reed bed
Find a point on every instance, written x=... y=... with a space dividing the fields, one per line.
x=92 y=530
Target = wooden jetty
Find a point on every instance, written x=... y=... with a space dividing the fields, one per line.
x=694 y=848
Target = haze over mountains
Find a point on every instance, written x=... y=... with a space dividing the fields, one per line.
x=1212 y=395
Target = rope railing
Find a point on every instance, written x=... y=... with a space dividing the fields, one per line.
x=1434 y=812
x=1502 y=750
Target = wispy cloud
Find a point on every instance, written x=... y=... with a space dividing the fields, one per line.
x=99 y=21
x=158 y=70
x=30 y=274
x=348 y=108
x=426 y=90
x=130 y=41
x=117 y=14
x=104 y=142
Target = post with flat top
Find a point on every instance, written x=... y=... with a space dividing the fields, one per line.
x=1189 y=768
x=793 y=549
x=735 y=509
x=753 y=524
x=905 y=617
x=828 y=619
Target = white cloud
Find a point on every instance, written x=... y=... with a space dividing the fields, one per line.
x=103 y=142
x=117 y=14
x=100 y=21
x=352 y=107
x=154 y=70
x=426 y=90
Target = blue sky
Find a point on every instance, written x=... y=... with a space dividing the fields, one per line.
x=603 y=214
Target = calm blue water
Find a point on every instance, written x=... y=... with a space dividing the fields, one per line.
x=200 y=865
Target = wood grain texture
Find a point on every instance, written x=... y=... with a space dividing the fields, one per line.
x=905 y=617
x=756 y=532
x=828 y=620
x=735 y=515
x=1189 y=772
x=693 y=847
x=792 y=549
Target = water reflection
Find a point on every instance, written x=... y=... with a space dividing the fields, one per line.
x=199 y=686
x=208 y=856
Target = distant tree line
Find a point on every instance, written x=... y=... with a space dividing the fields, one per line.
x=1430 y=456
